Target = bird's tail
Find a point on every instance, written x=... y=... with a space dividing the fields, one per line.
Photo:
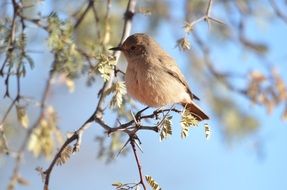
x=196 y=111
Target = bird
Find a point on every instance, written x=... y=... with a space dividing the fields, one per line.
x=153 y=78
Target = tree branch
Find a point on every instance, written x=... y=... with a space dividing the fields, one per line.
x=77 y=135
x=20 y=152
x=133 y=145
x=278 y=12
x=98 y=113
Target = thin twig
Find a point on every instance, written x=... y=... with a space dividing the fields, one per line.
x=206 y=17
x=11 y=43
x=82 y=16
x=208 y=10
x=133 y=143
x=96 y=17
x=278 y=12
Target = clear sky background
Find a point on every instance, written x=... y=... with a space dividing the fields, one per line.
x=255 y=162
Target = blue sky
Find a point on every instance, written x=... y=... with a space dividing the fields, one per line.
x=193 y=163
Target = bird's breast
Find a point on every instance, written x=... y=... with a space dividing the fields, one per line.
x=152 y=86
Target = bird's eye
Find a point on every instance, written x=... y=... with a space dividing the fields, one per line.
x=133 y=47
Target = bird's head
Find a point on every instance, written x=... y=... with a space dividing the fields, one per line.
x=136 y=46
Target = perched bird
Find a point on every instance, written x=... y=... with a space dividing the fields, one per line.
x=153 y=77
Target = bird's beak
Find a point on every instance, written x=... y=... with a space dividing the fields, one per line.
x=119 y=48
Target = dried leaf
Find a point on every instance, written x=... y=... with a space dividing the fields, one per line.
x=154 y=185
x=22 y=181
x=144 y=11
x=187 y=120
x=70 y=84
x=183 y=44
x=188 y=27
x=40 y=142
x=254 y=90
x=257 y=76
x=258 y=47
x=43 y=139
x=117 y=184
x=42 y=172
x=65 y=155
x=284 y=115
x=30 y=61
x=280 y=86
x=207 y=131
x=118 y=89
x=184 y=132
x=166 y=129
x=105 y=65
x=22 y=116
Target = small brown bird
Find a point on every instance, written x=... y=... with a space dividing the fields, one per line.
x=153 y=77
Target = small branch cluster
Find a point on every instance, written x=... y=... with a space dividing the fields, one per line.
x=268 y=90
x=183 y=43
x=130 y=128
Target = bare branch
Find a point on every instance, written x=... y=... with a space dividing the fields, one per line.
x=278 y=12
x=83 y=15
x=208 y=10
x=133 y=143
x=206 y=17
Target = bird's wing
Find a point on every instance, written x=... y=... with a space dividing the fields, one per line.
x=169 y=66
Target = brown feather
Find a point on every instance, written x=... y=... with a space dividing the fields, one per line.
x=196 y=111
